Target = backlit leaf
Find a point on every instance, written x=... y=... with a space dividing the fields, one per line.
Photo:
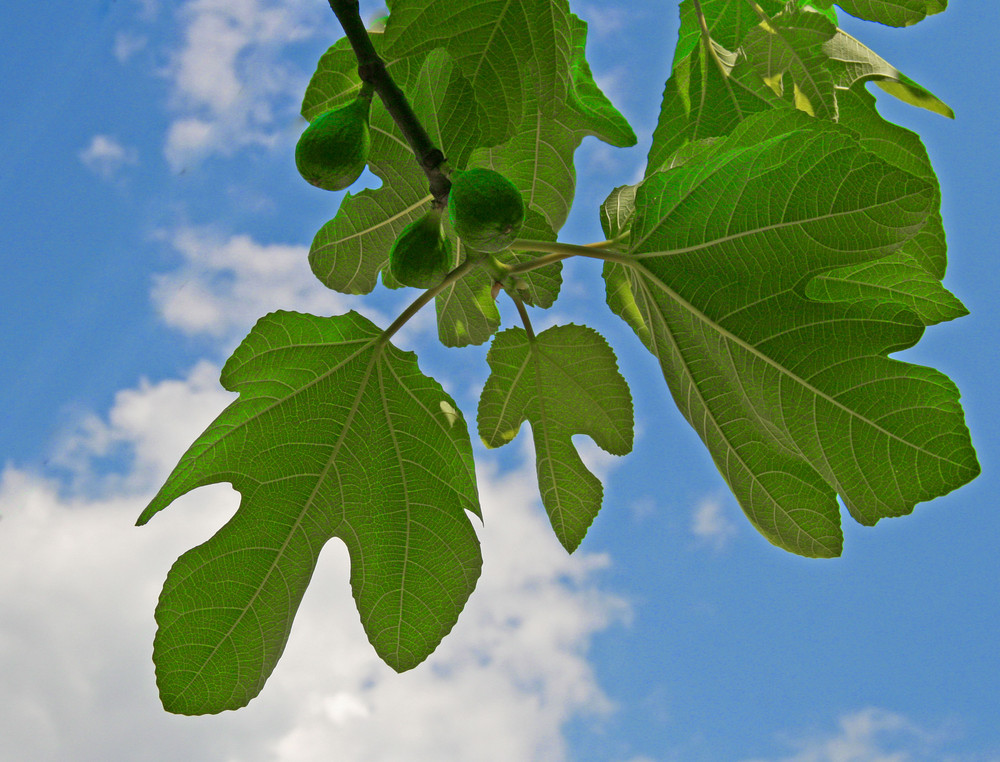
x=336 y=433
x=564 y=381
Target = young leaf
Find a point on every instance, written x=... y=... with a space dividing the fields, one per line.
x=564 y=381
x=466 y=310
x=893 y=12
x=336 y=433
x=796 y=400
x=791 y=47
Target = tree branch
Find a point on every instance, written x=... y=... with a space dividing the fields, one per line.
x=371 y=69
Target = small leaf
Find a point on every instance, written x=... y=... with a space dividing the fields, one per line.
x=791 y=46
x=893 y=12
x=564 y=381
x=336 y=433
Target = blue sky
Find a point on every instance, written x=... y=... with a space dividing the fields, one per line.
x=152 y=212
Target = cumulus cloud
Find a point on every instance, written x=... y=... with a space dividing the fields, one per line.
x=226 y=282
x=106 y=157
x=79 y=583
x=868 y=735
x=710 y=524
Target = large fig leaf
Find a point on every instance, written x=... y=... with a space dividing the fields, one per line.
x=336 y=433
x=565 y=381
x=797 y=400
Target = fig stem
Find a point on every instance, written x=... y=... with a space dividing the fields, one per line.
x=371 y=69
x=560 y=251
x=519 y=303
x=417 y=304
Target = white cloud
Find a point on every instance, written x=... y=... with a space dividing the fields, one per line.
x=231 y=87
x=105 y=156
x=226 y=283
x=710 y=525
x=79 y=583
x=868 y=735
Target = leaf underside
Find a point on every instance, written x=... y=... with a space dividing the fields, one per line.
x=796 y=399
x=565 y=381
x=335 y=434
x=784 y=241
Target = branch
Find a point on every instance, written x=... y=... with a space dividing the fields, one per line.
x=371 y=69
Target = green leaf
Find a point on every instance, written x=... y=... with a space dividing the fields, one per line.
x=564 y=381
x=553 y=102
x=467 y=311
x=709 y=93
x=903 y=149
x=485 y=38
x=912 y=276
x=852 y=62
x=336 y=433
x=728 y=22
x=896 y=279
x=791 y=46
x=796 y=400
x=893 y=12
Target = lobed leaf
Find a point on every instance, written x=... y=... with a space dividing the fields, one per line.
x=336 y=433
x=564 y=381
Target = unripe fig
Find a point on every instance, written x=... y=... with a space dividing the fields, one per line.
x=333 y=149
x=485 y=208
x=421 y=255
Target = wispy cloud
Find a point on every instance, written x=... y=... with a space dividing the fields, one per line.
x=710 y=524
x=105 y=156
x=127 y=44
x=868 y=735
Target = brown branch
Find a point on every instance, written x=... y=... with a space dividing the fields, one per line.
x=371 y=69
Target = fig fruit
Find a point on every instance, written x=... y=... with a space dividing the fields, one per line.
x=485 y=208
x=422 y=254
x=333 y=149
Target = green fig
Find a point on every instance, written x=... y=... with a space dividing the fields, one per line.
x=333 y=149
x=486 y=209
x=421 y=255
